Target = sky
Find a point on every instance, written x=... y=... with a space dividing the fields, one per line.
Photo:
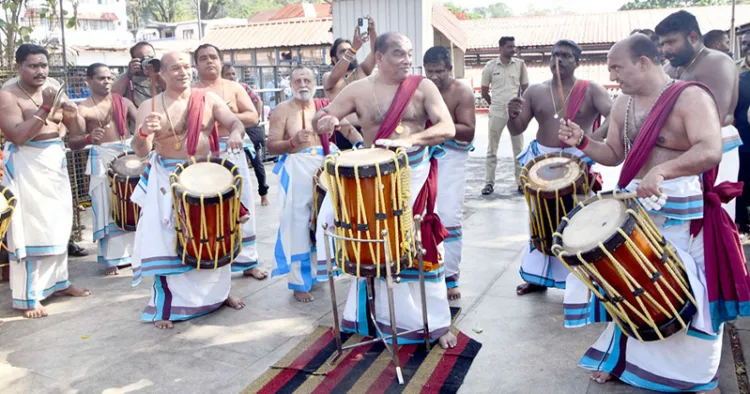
x=577 y=6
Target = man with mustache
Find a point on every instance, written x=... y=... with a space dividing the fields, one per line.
x=717 y=40
x=400 y=110
x=668 y=134
x=459 y=98
x=208 y=63
x=743 y=63
x=346 y=70
x=106 y=116
x=689 y=60
x=290 y=135
x=183 y=126
x=37 y=175
x=585 y=101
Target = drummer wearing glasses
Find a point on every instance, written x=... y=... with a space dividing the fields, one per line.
x=668 y=133
x=178 y=124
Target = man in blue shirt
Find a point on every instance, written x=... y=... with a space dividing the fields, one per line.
x=740 y=116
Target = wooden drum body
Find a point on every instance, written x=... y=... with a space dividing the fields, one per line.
x=553 y=183
x=206 y=196
x=370 y=193
x=8 y=204
x=124 y=174
x=614 y=248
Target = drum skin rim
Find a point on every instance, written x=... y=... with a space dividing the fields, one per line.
x=560 y=192
x=120 y=177
x=207 y=264
x=613 y=242
x=212 y=199
x=668 y=328
x=368 y=170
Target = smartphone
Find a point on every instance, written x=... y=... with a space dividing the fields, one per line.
x=364 y=25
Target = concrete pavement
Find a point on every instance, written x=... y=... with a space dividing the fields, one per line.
x=98 y=345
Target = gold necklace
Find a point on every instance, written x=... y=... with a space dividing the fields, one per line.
x=27 y=94
x=554 y=106
x=177 y=145
x=400 y=127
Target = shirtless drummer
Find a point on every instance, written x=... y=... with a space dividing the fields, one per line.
x=107 y=117
x=181 y=126
x=36 y=173
x=585 y=101
x=208 y=62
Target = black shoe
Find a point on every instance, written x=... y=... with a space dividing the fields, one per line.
x=488 y=190
x=76 y=251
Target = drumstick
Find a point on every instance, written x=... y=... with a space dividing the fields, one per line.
x=560 y=90
x=153 y=93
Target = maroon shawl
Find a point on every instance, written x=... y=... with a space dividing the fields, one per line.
x=727 y=278
x=575 y=101
x=120 y=114
x=321 y=103
x=196 y=107
x=433 y=231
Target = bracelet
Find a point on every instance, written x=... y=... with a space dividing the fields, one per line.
x=140 y=133
x=86 y=139
x=583 y=144
x=45 y=108
x=39 y=118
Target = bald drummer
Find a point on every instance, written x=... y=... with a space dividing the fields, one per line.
x=181 y=115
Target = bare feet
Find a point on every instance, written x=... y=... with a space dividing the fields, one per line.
x=601 y=377
x=75 y=292
x=256 y=273
x=112 y=271
x=526 y=288
x=303 y=296
x=234 y=302
x=35 y=313
x=244 y=219
x=264 y=200
x=448 y=340
x=163 y=324
x=454 y=293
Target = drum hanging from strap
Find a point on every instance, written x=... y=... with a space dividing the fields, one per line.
x=123 y=174
x=320 y=189
x=206 y=196
x=615 y=249
x=553 y=183
x=370 y=192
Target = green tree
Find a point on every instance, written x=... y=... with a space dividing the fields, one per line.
x=650 y=4
x=164 y=10
x=477 y=13
x=499 y=10
x=13 y=33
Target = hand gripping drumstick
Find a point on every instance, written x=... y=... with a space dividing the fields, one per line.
x=560 y=90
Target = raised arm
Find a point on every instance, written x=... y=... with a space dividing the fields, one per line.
x=442 y=128
x=121 y=85
x=369 y=63
x=465 y=115
x=338 y=108
x=15 y=128
x=703 y=132
x=520 y=112
x=342 y=66
x=610 y=152
x=246 y=112
x=146 y=123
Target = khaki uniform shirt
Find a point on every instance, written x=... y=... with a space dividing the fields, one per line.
x=742 y=65
x=504 y=82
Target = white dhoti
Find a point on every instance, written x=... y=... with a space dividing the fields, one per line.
x=180 y=292
x=729 y=168
x=115 y=244
x=37 y=175
x=450 y=204
x=294 y=254
x=538 y=268
x=685 y=361
x=407 y=295
x=248 y=257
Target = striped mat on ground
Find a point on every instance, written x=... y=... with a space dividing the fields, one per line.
x=367 y=369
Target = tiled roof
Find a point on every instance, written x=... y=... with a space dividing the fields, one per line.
x=447 y=23
x=262 y=16
x=272 y=34
x=600 y=28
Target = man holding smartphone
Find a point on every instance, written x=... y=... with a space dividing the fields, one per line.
x=135 y=84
